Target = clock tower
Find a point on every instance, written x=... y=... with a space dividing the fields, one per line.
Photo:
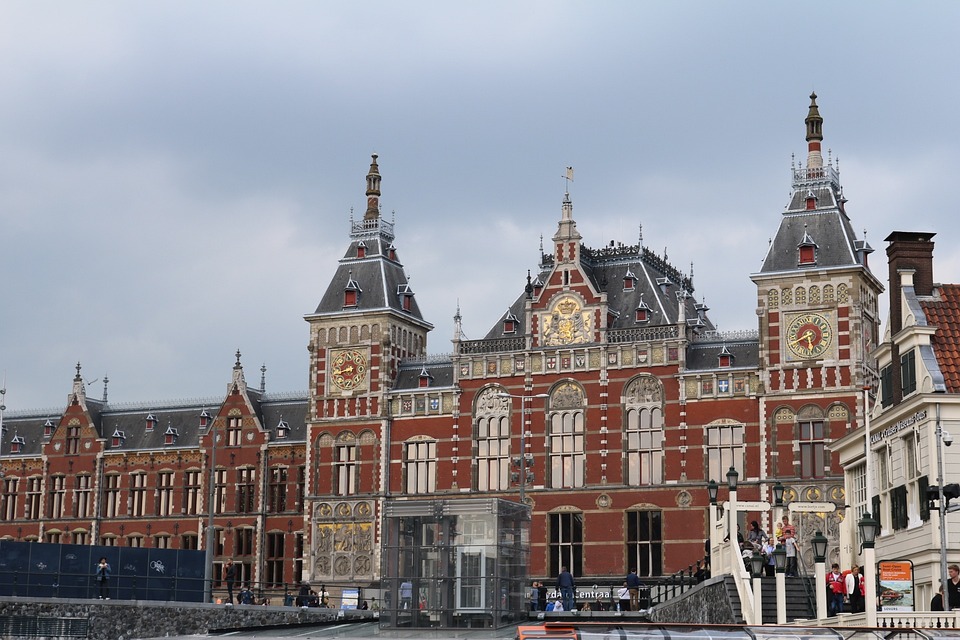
x=818 y=323
x=366 y=322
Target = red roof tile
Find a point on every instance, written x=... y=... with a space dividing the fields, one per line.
x=944 y=314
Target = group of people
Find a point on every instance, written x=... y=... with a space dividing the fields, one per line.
x=757 y=541
x=845 y=588
x=628 y=596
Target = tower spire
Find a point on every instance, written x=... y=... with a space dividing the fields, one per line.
x=814 y=135
x=373 y=191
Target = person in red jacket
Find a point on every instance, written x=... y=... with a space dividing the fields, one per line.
x=836 y=588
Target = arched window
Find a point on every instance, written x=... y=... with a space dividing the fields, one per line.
x=492 y=433
x=566 y=436
x=643 y=408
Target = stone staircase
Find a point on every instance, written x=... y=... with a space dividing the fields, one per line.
x=801 y=599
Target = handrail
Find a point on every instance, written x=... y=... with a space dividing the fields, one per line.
x=811 y=595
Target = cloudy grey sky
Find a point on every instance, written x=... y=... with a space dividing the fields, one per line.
x=176 y=178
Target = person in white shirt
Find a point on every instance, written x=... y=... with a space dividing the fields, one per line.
x=559 y=605
x=623 y=594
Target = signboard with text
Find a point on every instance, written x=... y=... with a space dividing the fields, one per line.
x=895 y=590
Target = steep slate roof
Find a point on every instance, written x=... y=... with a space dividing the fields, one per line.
x=606 y=268
x=825 y=223
x=131 y=419
x=439 y=368
x=378 y=274
x=943 y=312
x=704 y=356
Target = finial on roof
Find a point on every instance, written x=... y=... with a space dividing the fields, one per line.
x=77 y=377
x=106 y=381
x=568 y=178
x=691 y=269
x=814 y=134
x=263 y=377
x=640 y=227
x=541 y=244
x=529 y=288
x=373 y=191
x=238 y=365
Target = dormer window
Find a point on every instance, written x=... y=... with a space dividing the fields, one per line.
x=392 y=252
x=629 y=281
x=724 y=358
x=612 y=316
x=702 y=309
x=151 y=422
x=117 y=439
x=510 y=322
x=205 y=419
x=806 y=249
x=643 y=311
x=47 y=428
x=351 y=293
x=664 y=284
x=282 y=429
x=170 y=435
x=17 y=444
x=405 y=293
x=811 y=200
x=361 y=250
x=537 y=286
x=425 y=378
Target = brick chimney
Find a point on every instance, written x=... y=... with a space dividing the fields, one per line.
x=910 y=251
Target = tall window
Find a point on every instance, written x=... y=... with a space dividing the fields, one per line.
x=898 y=507
x=911 y=453
x=492 y=414
x=277 y=501
x=246 y=483
x=566 y=543
x=82 y=505
x=811 y=449
x=111 y=495
x=138 y=494
x=243 y=550
x=191 y=492
x=73 y=439
x=135 y=541
x=81 y=537
x=724 y=450
x=58 y=494
x=908 y=371
x=108 y=540
x=645 y=446
x=420 y=466
x=645 y=542
x=345 y=469
x=190 y=541
x=34 y=498
x=493 y=453
x=886 y=386
x=566 y=437
x=234 y=431
x=301 y=486
x=165 y=494
x=8 y=501
x=298 y=557
x=162 y=541
x=643 y=401
x=274 y=566
x=220 y=490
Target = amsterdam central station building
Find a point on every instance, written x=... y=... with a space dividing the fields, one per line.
x=604 y=397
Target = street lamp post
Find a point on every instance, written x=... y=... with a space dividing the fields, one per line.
x=712 y=489
x=941 y=505
x=208 y=543
x=819 y=544
x=524 y=400
x=736 y=557
x=756 y=569
x=778 y=490
x=868 y=534
x=780 y=562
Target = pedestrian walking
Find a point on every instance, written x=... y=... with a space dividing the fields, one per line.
x=836 y=588
x=853 y=582
x=230 y=576
x=634 y=584
x=566 y=586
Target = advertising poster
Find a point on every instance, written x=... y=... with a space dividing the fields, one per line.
x=895 y=590
x=350 y=599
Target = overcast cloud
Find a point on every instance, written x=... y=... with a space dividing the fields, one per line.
x=176 y=178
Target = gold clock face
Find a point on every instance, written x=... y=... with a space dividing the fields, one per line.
x=348 y=369
x=809 y=335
